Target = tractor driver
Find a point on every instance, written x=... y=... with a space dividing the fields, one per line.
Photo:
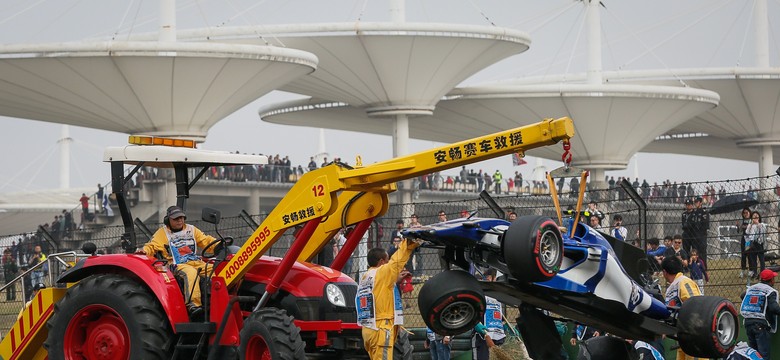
x=183 y=240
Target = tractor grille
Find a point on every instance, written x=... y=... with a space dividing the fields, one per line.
x=350 y=291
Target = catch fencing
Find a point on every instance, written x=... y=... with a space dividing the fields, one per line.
x=663 y=210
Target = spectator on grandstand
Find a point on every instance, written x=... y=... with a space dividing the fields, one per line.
x=55 y=228
x=618 y=231
x=10 y=269
x=645 y=189
x=464 y=174
x=698 y=270
x=312 y=164
x=396 y=233
x=655 y=254
x=742 y=226
x=755 y=239
x=36 y=258
x=414 y=221
x=701 y=226
x=67 y=219
x=593 y=210
x=84 y=200
x=574 y=187
x=595 y=223
x=497 y=179
x=559 y=183
x=677 y=251
x=689 y=226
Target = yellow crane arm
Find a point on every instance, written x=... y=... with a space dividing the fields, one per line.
x=316 y=194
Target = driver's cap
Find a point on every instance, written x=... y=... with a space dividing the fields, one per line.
x=175 y=212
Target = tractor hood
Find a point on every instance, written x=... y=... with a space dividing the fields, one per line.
x=303 y=279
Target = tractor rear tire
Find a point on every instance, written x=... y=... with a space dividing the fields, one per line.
x=270 y=333
x=108 y=317
x=533 y=248
x=451 y=302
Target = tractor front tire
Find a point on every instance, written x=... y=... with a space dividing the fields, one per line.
x=108 y=317
x=402 y=348
x=270 y=333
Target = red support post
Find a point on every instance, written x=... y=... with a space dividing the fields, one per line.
x=351 y=243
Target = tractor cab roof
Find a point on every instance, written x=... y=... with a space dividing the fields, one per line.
x=167 y=156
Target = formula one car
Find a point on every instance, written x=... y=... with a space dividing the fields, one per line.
x=578 y=277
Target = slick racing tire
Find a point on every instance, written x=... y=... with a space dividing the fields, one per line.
x=270 y=333
x=451 y=302
x=707 y=326
x=108 y=317
x=533 y=248
x=402 y=348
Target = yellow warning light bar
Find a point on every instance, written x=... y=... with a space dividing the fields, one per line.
x=153 y=140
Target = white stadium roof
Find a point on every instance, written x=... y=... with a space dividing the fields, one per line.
x=383 y=68
x=169 y=89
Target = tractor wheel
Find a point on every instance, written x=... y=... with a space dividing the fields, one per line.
x=108 y=317
x=451 y=302
x=402 y=348
x=533 y=248
x=270 y=334
x=707 y=326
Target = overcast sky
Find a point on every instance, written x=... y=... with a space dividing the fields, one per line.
x=636 y=35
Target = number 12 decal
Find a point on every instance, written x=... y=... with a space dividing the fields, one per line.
x=318 y=190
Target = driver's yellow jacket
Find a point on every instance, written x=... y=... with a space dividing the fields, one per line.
x=160 y=239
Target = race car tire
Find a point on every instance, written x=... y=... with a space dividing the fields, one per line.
x=269 y=333
x=402 y=348
x=707 y=326
x=101 y=316
x=451 y=302
x=533 y=248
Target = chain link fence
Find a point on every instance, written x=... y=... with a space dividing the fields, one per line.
x=728 y=274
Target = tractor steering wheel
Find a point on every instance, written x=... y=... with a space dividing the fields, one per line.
x=227 y=241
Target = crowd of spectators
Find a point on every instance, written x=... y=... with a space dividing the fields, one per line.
x=280 y=170
x=22 y=255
